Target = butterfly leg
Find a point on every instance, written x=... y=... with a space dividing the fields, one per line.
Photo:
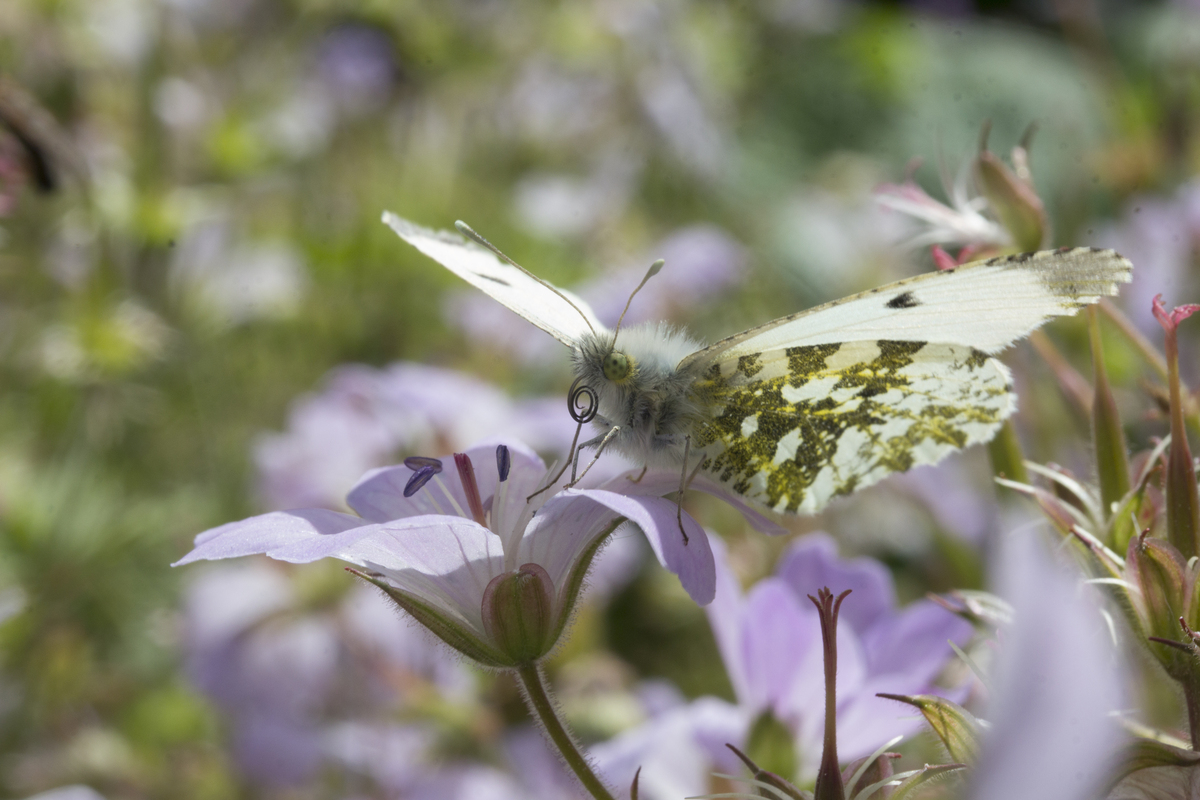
x=641 y=475
x=600 y=442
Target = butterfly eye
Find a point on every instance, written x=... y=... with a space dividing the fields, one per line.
x=617 y=367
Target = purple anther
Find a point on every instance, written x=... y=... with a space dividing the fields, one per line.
x=415 y=463
x=419 y=479
x=503 y=461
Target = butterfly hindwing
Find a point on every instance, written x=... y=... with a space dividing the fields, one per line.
x=986 y=305
x=559 y=313
x=796 y=427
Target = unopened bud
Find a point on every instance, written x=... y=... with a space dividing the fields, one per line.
x=518 y=613
x=954 y=725
x=1157 y=570
x=1014 y=200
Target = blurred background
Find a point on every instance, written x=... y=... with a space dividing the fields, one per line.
x=202 y=318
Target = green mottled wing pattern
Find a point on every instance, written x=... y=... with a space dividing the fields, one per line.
x=797 y=427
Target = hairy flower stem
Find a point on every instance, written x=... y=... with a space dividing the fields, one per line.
x=537 y=697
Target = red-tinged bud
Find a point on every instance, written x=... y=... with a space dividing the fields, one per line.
x=1015 y=202
x=518 y=613
x=1183 y=502
x=860 y=774
x=941 y=259
x=1157 y=570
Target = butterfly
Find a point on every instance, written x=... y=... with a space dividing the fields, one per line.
x=811 y=406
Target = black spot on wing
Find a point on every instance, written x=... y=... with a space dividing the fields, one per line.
x=904 y=300
x=494 y=279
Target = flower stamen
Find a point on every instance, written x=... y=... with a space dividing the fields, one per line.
x=466 y=474
x=423 y=469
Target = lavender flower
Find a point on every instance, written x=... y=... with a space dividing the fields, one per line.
x=448 y=550
x=364 y=418
x=770 y=642
x=1056 y=684
x=276 y=670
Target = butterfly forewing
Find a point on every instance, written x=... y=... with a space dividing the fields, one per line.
x=987 y=305
x=556 y=311
x=796 y=427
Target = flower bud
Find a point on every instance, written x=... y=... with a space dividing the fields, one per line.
x=770 y=743
x=1157 y=570
x=861 y=774
x=1014 y=200
x=518 y=613
x=779 y=786
x=954 y=725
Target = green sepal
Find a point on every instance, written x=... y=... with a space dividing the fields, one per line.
x=1134 y=513
x=1014 y=201
x=913 y=787
x=1157 y=569
x=770 y=743
x=954 y=725
x=780 y=785
x=572 y=587
x=450 y=630
x=1112 y=457
x=1147 y=754
x=1005 y=453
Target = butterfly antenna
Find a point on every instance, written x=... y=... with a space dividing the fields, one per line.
x=467 y=231
x=650 y=273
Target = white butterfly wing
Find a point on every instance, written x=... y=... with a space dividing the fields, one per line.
x=558 y=312
x=986 y=305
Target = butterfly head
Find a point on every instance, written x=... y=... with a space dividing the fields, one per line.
x=617 y=366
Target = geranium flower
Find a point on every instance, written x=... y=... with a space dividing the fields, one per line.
x=466 y=551
x=770 y=641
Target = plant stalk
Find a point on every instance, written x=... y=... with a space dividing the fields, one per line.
x=537 y=697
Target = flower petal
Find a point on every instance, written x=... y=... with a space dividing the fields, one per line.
x=776 y=636
x=379 y=496
x=813 y=562
x=914 y=643
x=692 y=562
x=659 y=483
x=725 y=615
x=266 y=532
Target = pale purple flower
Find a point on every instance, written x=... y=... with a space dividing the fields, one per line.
x=358 y=63
x=365 y=418
x=437 y=533
x=1057 y=683
x=284 y=676
x=961 y=223
x=770 y=642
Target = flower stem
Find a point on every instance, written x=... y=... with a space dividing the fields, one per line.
x=537 y=697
